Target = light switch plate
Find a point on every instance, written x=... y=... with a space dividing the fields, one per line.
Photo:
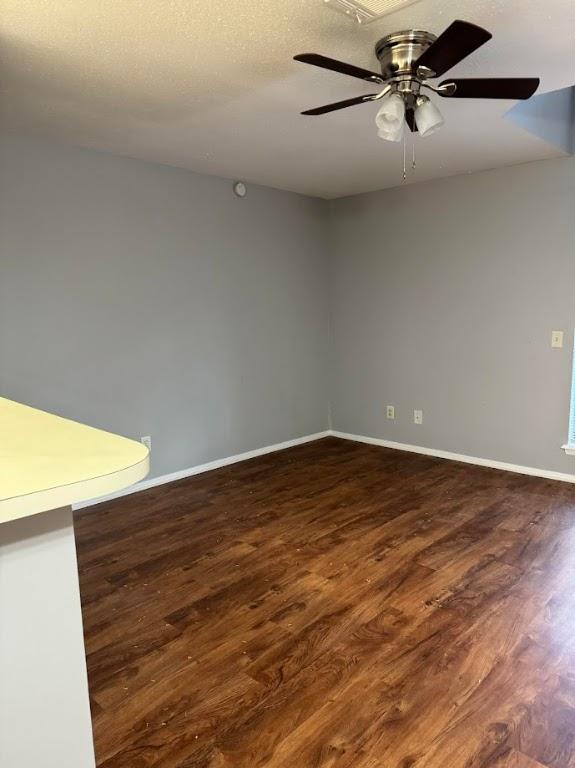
x=418 y=417
x=557 y=339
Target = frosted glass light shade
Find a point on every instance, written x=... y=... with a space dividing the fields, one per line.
x=428 y=118
x=390 y=119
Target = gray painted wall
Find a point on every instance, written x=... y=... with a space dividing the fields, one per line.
x=444 y=297
x=148 y=300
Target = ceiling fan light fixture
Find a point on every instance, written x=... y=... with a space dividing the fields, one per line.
x=390 y=119
x=428 y=118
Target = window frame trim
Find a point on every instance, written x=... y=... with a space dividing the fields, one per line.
x=569 y=446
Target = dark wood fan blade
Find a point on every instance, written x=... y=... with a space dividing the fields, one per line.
x=458 y=41
x=492 y=88
x=338 y=66
x=339 y=105
x=410 y=120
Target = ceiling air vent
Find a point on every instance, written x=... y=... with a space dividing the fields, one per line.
x=364 y=11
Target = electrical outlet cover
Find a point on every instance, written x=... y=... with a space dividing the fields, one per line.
x=557 y=339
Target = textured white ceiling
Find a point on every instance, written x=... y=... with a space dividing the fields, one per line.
x=210 y=85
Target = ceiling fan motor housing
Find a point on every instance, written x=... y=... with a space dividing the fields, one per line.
x=399 y=52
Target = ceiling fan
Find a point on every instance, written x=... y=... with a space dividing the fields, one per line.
x=408 y=60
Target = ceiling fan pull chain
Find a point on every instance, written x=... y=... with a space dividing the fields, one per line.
x=413 y=153
x=404 y=165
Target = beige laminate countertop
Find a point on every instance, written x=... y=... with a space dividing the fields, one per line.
x=47 y=462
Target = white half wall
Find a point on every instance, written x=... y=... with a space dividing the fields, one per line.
x=44 y=702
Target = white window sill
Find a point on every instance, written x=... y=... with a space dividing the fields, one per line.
x=569 y=449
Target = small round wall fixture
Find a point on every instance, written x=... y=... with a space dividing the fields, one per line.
x=240 y=189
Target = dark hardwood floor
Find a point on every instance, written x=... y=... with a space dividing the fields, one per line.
x=333 y=605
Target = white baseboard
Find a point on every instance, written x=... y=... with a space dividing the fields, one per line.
x=518 y=468
x=189 y=472
x=182 y=473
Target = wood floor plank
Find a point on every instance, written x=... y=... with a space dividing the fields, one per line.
x=335 y=605
x=515 y=759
